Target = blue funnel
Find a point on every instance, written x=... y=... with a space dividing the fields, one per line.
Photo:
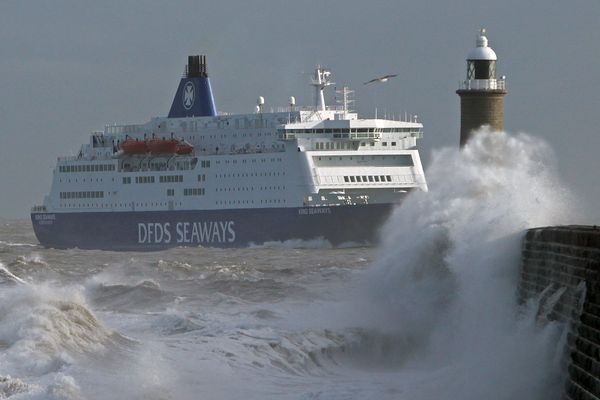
x=194 y=96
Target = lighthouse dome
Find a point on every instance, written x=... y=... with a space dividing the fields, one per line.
x=482 y=51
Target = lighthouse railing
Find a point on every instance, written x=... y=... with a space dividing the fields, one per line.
x=483 y=84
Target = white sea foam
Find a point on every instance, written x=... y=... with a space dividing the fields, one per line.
x=63 y=387
x=42 y=328
x=6 y=276
x=12 y=386
x=16 y=244
x=296 y=244
x=447 y=272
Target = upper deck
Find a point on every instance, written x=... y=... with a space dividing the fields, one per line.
x=290 y=157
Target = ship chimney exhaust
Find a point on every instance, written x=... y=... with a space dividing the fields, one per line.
x=194 y=97
x=196 y=67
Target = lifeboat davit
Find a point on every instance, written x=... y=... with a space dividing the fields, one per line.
x=162 y=146
x=184 y=147
x=134 y=146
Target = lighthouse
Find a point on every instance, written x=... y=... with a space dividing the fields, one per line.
x=481 y=94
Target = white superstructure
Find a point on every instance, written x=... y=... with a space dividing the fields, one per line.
x=296 y=157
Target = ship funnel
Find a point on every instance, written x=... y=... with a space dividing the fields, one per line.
x=194 y=96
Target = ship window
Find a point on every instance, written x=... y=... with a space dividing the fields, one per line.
x=346 y=179
x=144 y=179
x=388 y=178
x=393 y=143
x=376 y=178
x=370 y=179
x=358 y=179
x=364 y=179
x=193 y=191
x=384 y=144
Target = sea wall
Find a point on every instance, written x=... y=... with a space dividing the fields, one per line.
x=561 y=269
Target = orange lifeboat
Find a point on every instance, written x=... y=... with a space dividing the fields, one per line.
x=184 y=147
x=162 y=146
x=134 y=146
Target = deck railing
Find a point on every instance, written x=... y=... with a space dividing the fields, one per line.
x=483 y=84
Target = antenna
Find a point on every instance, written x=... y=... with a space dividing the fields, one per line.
x=320 y=80
x=347 y=99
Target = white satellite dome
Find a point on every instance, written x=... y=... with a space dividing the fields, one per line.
x=482 y=51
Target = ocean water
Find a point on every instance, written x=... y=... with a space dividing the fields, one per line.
x=431 y=313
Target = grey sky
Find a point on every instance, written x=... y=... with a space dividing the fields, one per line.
x=70 y=67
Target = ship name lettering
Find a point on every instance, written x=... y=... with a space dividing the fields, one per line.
x=45 y=217
x=205 y=232
x=154 y=232
x=187 y=232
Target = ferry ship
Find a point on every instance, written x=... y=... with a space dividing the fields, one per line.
x=202 y=178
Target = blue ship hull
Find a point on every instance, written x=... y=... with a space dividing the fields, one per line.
x=158 y=230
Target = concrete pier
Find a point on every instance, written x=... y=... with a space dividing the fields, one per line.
x=561 y=267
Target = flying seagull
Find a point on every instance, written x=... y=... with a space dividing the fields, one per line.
x=381 y=79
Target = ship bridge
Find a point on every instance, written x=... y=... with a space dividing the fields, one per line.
x=358 y=130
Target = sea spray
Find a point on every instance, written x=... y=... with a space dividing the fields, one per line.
x=447 y=271
x=43 y=328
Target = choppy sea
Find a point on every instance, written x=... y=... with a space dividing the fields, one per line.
x=430 y=313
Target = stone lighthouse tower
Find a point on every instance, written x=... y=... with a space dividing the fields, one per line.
x=481 y=94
